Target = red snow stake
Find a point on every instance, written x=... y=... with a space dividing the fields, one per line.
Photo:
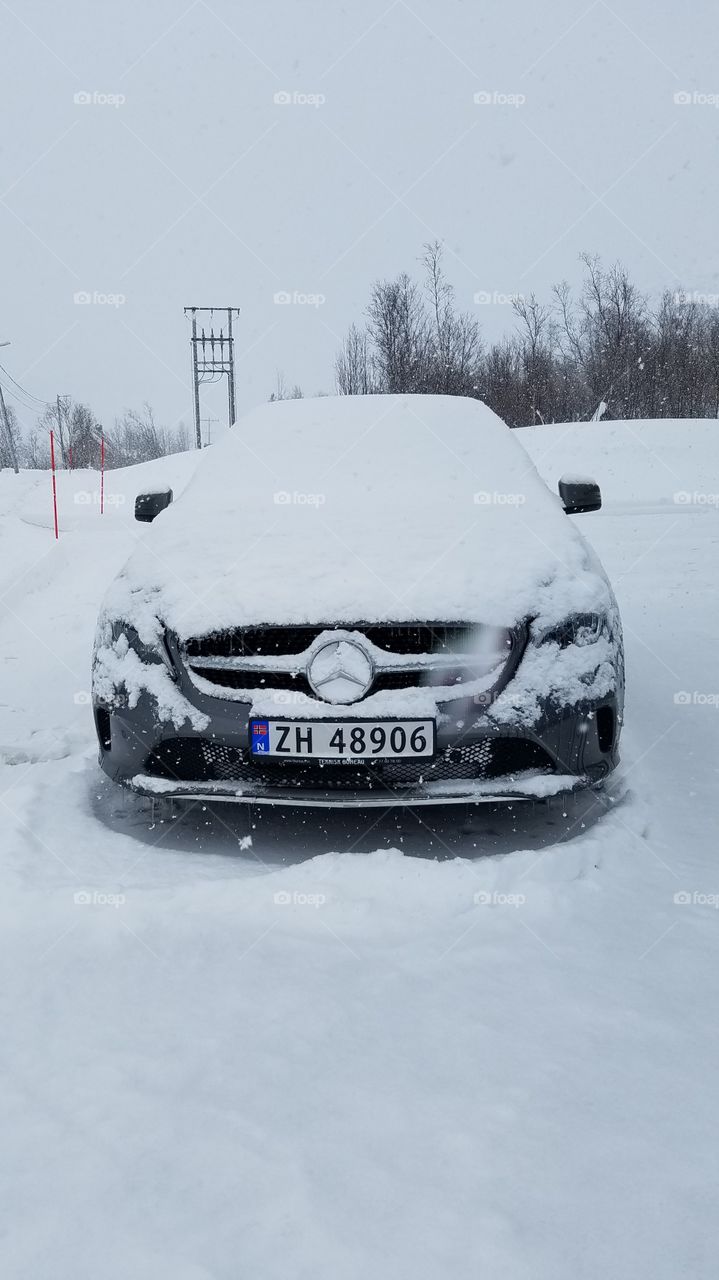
x=54 y=486
x=102 y=475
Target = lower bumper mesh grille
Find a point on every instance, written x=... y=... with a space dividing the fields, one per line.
x=197 y=760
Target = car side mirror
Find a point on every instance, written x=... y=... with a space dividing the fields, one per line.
x=149 y=505
x=578 y=493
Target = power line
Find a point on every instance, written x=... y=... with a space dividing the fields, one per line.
x=24 y=390
x=32 y=408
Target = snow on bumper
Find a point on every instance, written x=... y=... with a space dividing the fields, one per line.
x=506 y=790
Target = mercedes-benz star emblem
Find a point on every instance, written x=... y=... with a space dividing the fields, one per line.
x=340 y=671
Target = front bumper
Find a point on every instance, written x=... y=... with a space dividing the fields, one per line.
x=563 y=752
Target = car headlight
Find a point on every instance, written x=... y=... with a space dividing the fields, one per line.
x=124 y=635
x=580 y=629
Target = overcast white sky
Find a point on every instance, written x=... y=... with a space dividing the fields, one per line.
x=200 y=188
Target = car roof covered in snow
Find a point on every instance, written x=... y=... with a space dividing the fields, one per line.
x=360 y=508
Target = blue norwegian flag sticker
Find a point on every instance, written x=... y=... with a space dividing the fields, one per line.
x=260 y=737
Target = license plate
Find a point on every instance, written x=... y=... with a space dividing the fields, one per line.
x=342 y=739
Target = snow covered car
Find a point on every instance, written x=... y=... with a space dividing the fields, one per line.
x=361 y=600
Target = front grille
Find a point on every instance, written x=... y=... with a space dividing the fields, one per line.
x=221 y=658
x=394 y=637
x=197 y=760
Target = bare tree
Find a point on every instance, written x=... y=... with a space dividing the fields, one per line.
x=137 y=437
x=35 y=449
x=414 y=340
x=10 y=451
x=282 y=392
x=398 y=332
x=456 y=344
x=353 y=373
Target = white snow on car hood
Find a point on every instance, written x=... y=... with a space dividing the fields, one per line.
x=355 y=509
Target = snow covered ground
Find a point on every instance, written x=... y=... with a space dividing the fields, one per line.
x=415 y=1047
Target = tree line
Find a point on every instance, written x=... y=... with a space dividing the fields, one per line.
x=606 y=350
x=134 y=437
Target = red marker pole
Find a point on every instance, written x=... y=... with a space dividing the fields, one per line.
x=54 y=486
x=102 y=475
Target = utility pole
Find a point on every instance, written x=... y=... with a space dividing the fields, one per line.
x=8 y=433
x=231 y=373
x=61 y=407
x=195 y=381
x=6 y=425
x=213 y=355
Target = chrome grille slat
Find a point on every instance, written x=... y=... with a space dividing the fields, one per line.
x=282 y=681
x=290 y=662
